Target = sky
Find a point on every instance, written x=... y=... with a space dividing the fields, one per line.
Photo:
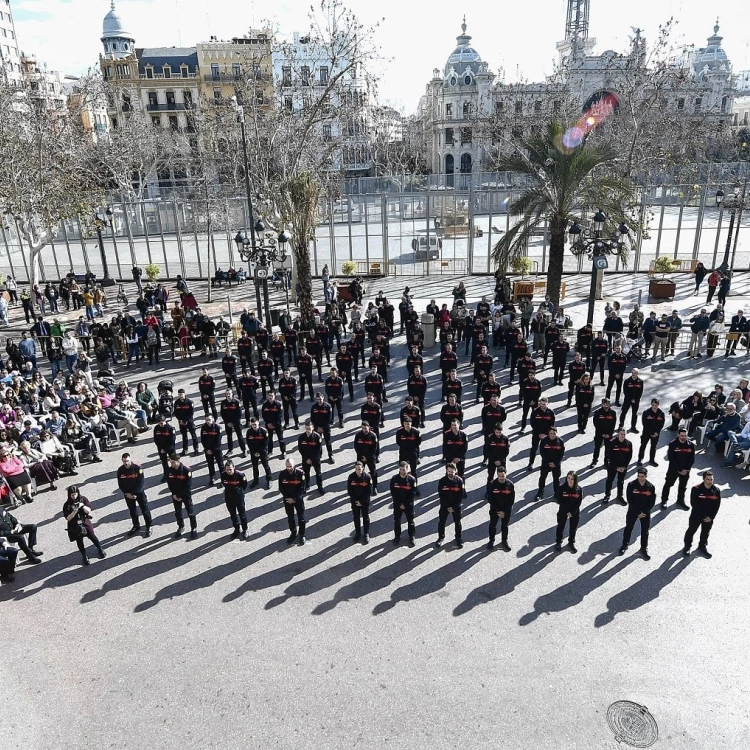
x=414 y=36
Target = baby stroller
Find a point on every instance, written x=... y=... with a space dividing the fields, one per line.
x=166 y=401
x=122 y=298
x=633 y=349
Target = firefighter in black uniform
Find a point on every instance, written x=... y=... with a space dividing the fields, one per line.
x=334 y=387
x=344 y=365
x=605 y=419
x=450 y=493
x=305 y=370
x=569 y=496
x=180 y=483
x=680 y=459
x=231 y=415
x=585 y=393
x=617 y=364
x=501 y=495
x=633 y=389
x=409 y=410
x=130 y=482
x=372 y=413
x=311 y=451
x=551 y=450
x=497 y=448
x=366 y=448
x=403 y=488
x=206 y=388
x=452 y=385
x=492 y=414
x=619 y=453
x=184 y=412
x=705 y=501
x=249 y=391
x=359 y=489
x=375 y=384
x=560 y=349
x=518 y=349
x=529 y=393
x=450 y=411
x=229 y=368
x=576 y=369
x=482 y=369
x=641 y=496
x=320 y=416
x=211 y=442
x=277 y=351
x=265 y=372
x=257 y=444
x=599 y=349
x=271 y=414
x=234 y=496
x=652 y=421
x=542 y=418
x=414 y=359
x=245 y=348
x=490 y=388
x=288 y=393
x=292 y=491
x=455 y=446
x=314 y=348
x=409 y=441
x=164 y=440
x=416 y=387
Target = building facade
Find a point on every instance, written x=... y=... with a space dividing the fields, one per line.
x=10 y=54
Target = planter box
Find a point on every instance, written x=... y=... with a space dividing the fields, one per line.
x=662 y=288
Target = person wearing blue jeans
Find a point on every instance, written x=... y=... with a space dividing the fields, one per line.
x=737 y=442
x=730 y=422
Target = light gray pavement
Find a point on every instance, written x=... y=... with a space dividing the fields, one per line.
x=211 y=643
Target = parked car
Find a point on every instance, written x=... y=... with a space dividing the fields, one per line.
x=427 y=248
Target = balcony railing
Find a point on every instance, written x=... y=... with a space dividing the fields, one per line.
x=175 y=76
x=171 y=107
x=222 y=77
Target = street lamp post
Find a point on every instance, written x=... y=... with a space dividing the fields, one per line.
x=103 y=219
x=266 y=251
x=593 y=244
x=240 y=111
x=735 y=203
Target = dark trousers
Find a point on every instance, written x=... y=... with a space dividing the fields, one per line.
x=290 y=403
x=632 y=406
x=336 y=407
x=696 y=520
x=372 y=468
x=234 y=427
x=250 y=400
x=94 y=539
x=583 y=416
x=306 y=467
x=617 y=383
x=559 y=371
x=598 y=442
x=535 y=440
x=562 y=519
x=494 y=518
x=325 y=433
x=19 y=539
x=164 y=458
x=184 y=429
x=525 y=413
x=346 y=376
x=443 y=517
x=185 y=502
x=298 y=507
x=544 y=473
x=361 y=515
x=492 y=468
x=266 y=382
x=642 y=451
x=611 y=474
x=247 y=364
x=279 y=431
x=262 y=459
x=398 y=512
x=319 y=365
x=598 y=362
x=235 y=503
x=139 y=501
x=513 y=365
x=209 y=406
x=214 y=460
x=305 y=378
x=630 y=519
x=672 y=477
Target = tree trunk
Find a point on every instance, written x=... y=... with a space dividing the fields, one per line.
x=304 y=277
x=556 y=260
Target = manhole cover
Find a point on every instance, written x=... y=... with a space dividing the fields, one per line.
x=632 y=724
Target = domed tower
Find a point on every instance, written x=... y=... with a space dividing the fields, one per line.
x=118 y=43
x=712 y=59
x=464 y=62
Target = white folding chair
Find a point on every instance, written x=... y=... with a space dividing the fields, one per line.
x=702 y=430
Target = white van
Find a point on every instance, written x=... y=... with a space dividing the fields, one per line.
x=427 y=248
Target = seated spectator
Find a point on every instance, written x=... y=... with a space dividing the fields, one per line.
x=13 y=470
x=8 y=555
x=146 y=401
x=55 y=424
x=729 y=422
x=76 y=437
x=16 y=534
x=38 y=465
x=61 y=457
x=123 y=421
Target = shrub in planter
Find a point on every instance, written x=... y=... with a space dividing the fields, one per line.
x=348 y=268
x=522 y=265
x=662 y=288
x=152 y=272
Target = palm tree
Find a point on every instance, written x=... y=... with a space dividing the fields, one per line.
x=562 y=184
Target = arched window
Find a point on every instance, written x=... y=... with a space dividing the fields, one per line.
x=465 y=163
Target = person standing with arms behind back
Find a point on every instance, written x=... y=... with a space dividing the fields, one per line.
x=569 y=495
x=292 y=490
x=130 y=482
x=705 y=500
x=359 y=489
x=77 y=513
x=641 y=496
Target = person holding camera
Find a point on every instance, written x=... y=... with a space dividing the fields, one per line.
x=77 y=513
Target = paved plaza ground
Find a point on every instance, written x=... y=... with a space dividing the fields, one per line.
x=215 y=643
